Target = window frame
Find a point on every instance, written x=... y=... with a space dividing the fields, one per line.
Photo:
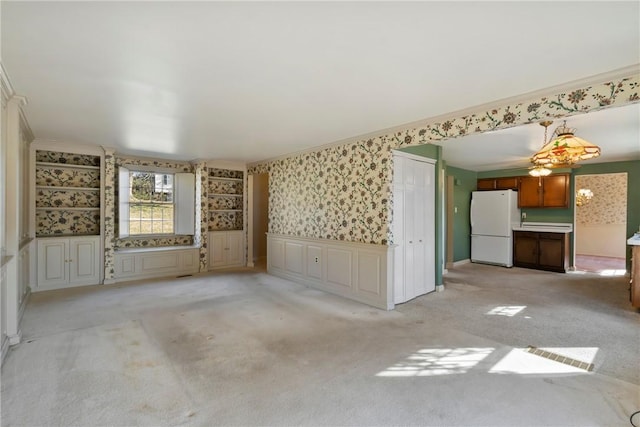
x=183 y=202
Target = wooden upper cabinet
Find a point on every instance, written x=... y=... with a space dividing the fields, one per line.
x=555 y=191
x=529 y=192
x=507 y=183
x=544 y=192
x=486 y=184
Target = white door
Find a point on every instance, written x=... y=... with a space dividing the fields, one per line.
x=234 y=248
x=53 y=255
x=84 y=260
x=217 y=245
x=413 y=228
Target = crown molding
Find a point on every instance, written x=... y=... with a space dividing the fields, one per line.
x=517 y=99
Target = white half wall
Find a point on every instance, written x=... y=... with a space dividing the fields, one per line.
x=134 y=264
x=608 y=240
x=358 y=271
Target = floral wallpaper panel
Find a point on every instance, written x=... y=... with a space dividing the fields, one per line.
x=67 y=223
x=609 y=203
x=67 y=158
x=344 y=192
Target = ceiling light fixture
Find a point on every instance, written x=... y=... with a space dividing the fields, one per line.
x=565 y=149
x=539 y=169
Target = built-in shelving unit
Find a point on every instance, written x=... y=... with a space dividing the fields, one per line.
x=226 y=199
x=67 y=194
x=226 y=217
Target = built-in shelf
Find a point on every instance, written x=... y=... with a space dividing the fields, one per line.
x=220 y=178
x=74 y=208
x=224 y=195
x=66 y=165
x=52 y=188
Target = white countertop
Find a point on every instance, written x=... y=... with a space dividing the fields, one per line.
x=634 y=240
x=544 y=227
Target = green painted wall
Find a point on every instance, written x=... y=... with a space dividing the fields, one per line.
x=567 y=215
x=464 y=183
x=435 y=152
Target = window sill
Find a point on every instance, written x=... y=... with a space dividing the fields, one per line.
x=153 y=236
x=154 y=249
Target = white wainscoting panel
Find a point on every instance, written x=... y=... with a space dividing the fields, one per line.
x=341 y=263
x=369 y=273
x=3 y=310
x=134 y=264
x=293 y=257
x=358 y=271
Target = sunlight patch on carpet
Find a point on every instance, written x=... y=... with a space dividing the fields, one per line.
x=438 y=361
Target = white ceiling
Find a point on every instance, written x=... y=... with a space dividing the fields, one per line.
x=254 y=80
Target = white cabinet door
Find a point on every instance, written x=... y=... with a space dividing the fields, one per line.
x=234 y=248
x=68 y=261
x=226 y=248
x=84 y=261
x=52 y=262
x=217 y=243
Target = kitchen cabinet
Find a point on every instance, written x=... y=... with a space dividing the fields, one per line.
x=225 y=249
x=544 y=192
x=68 y=261
x=541 y=251
x=505 y=183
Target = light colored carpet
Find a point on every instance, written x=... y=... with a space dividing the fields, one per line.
x=245 y=348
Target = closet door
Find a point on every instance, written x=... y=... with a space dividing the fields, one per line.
x=411 y=198
x=414 y=228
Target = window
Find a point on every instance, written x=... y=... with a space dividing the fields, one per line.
x=153 y=202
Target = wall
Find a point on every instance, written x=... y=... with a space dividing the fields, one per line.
x=343 y=192
x=261 y=215
x=465 y=182
x=632 y=168
x=601 y=224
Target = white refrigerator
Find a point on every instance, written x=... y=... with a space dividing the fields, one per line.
x=493 y=215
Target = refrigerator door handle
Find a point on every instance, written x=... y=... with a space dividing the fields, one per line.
x=471 y=216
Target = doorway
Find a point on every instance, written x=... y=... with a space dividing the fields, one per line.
x=601 y=223
x=259 y=220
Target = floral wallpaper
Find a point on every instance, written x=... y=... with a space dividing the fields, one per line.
x=65 y=177
x=109 y=214
x=609 y=202
x=67 y=198
x=344 y=192
x=155 y=241
x=202 y=194
x=68 y=158
x=225 y=173
x=225 y=221
x=64 y=223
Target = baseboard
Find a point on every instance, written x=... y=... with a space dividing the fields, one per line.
x=15 y=338
x=439 y=288
x=459 y=263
